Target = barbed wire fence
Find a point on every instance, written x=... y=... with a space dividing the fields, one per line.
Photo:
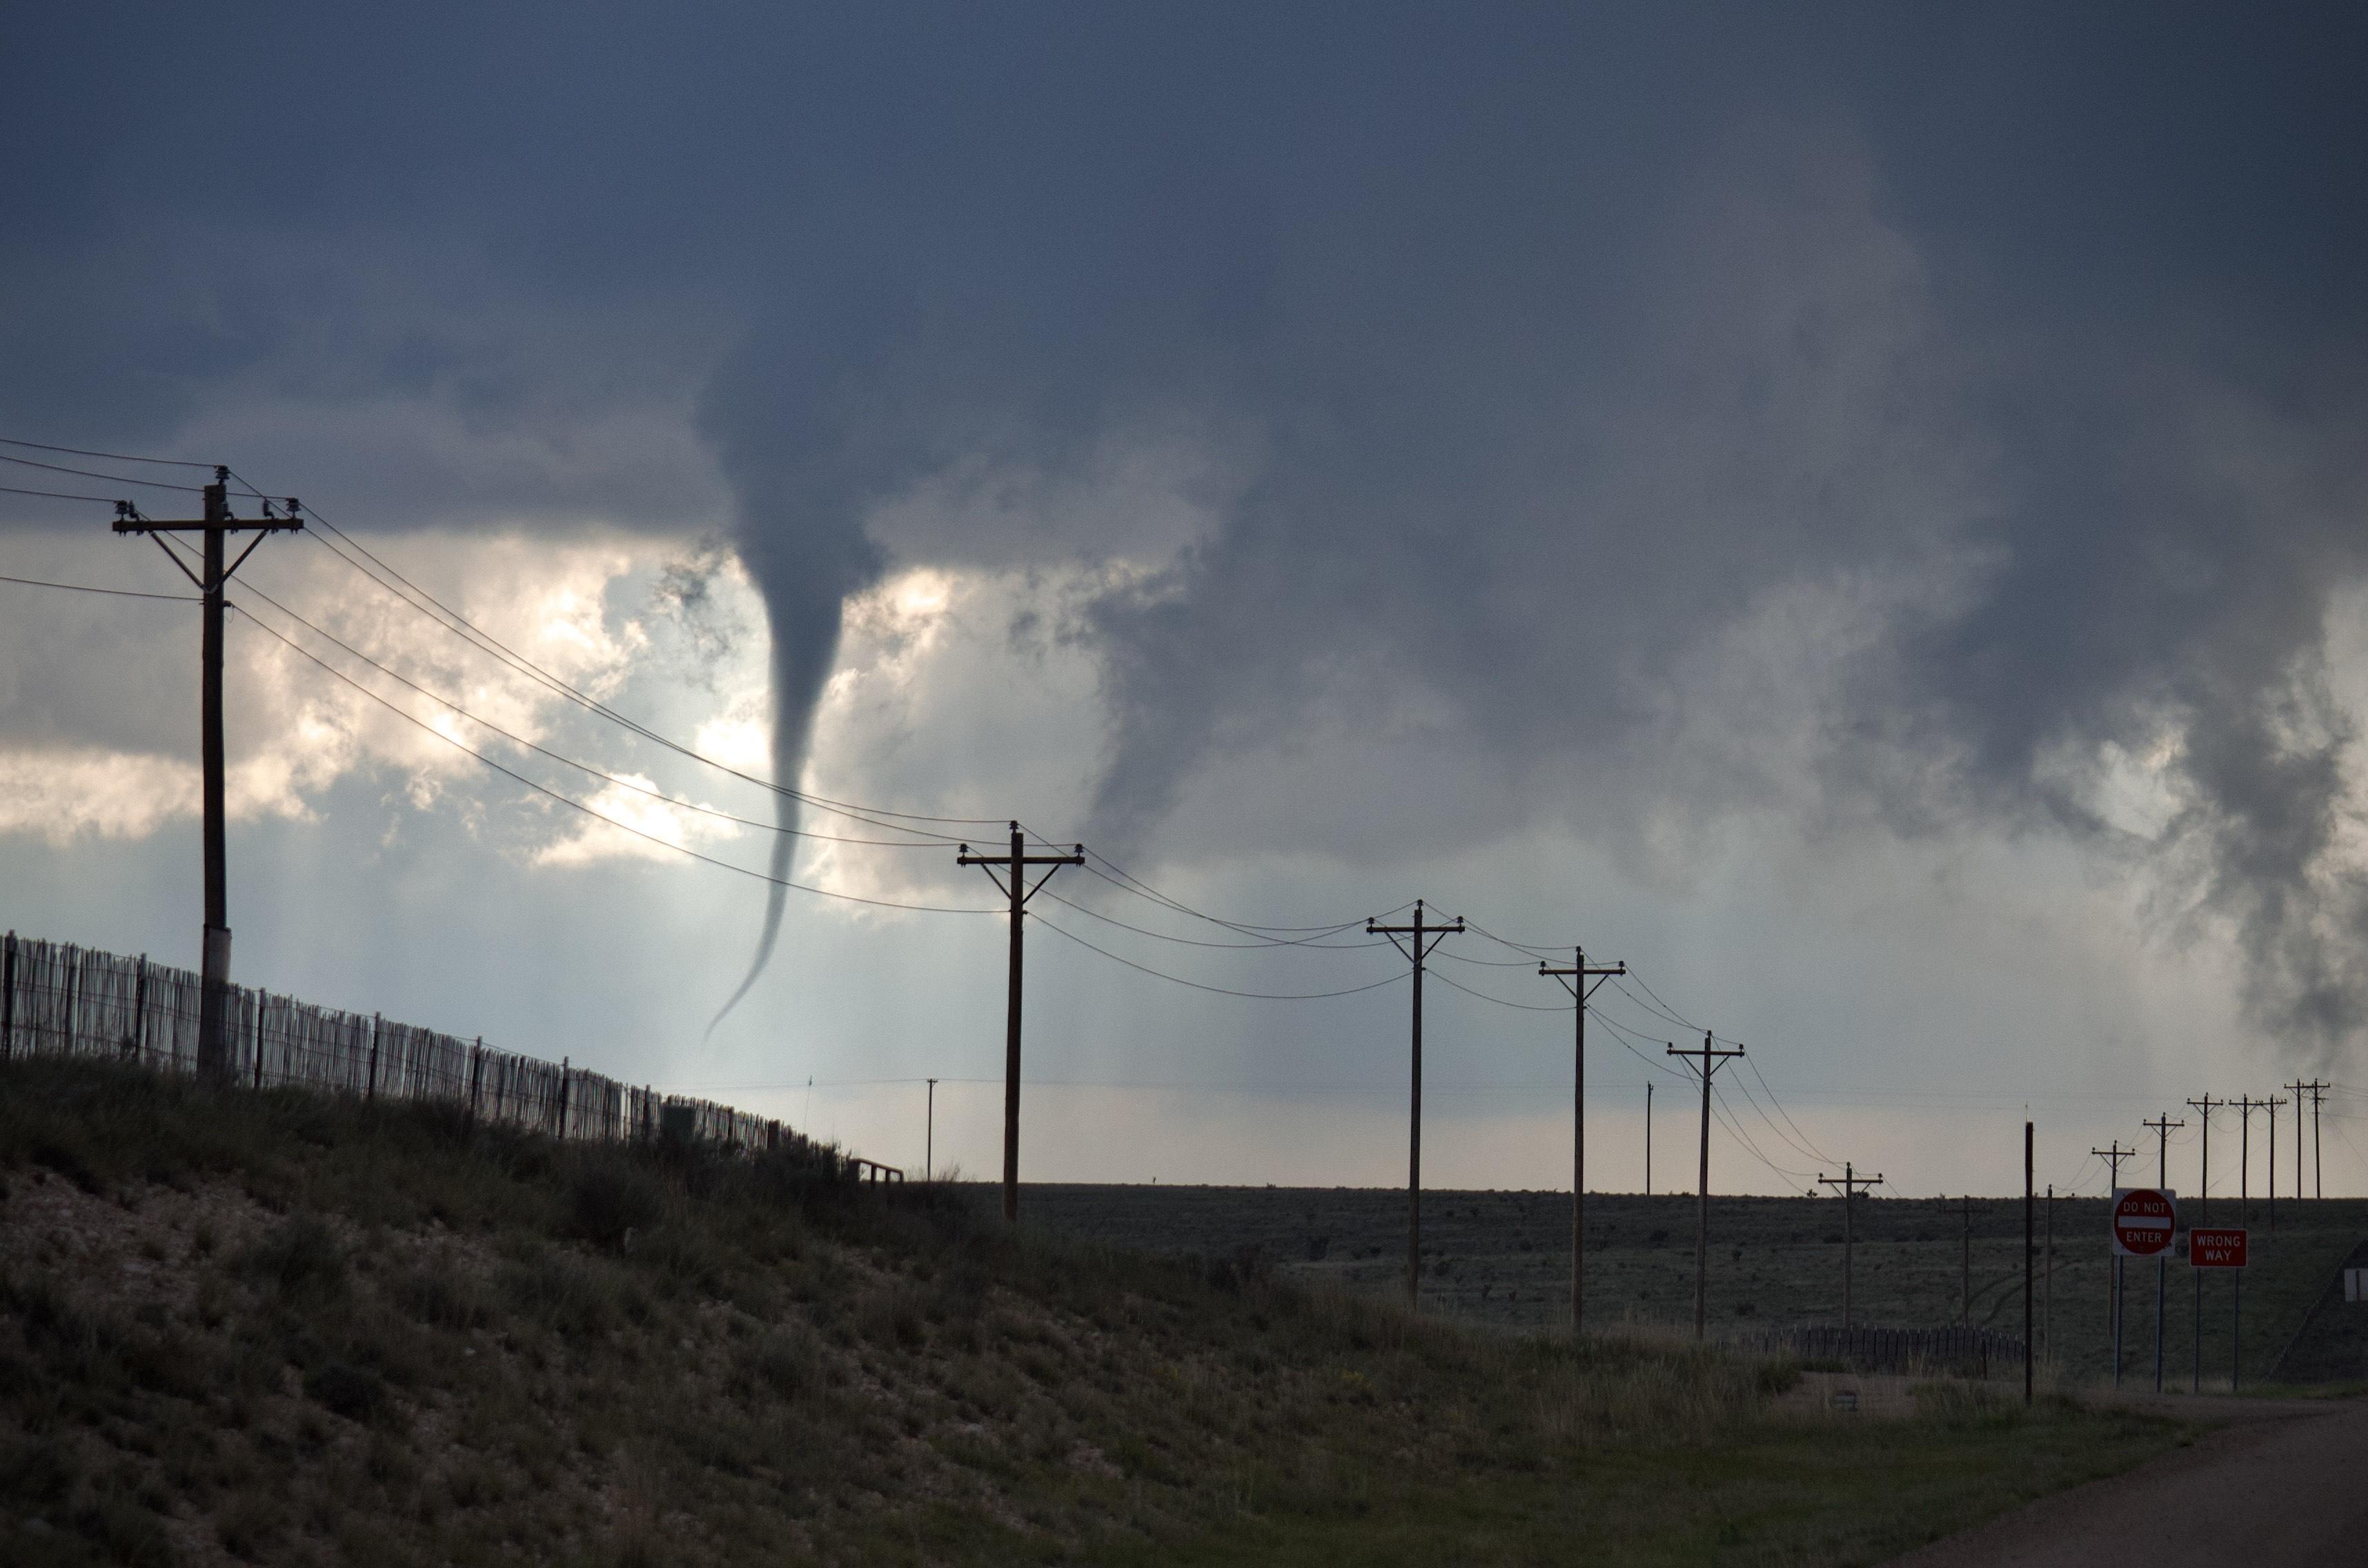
x=57 y=999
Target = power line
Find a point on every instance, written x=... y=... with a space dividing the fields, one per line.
x=1499 y=1001
x=570 y=801
x=1267 y=945
x=584 y=766
x=111 y=478
x=1219 y=990
x=111 y=457
x=112 y=593
x=63 y=496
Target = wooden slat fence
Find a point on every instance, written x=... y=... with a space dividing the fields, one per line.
x=59 y=1000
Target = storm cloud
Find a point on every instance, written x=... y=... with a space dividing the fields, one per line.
x=1952 y=424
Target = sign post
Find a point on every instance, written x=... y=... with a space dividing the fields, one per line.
x=2223 y=1249
x=2144 y=1220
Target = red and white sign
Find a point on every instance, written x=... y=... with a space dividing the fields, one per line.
x=2145 y=1218
x=2215 y=1249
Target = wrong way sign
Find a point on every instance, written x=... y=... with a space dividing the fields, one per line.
x=2215 y=1249
x=2145 y=1218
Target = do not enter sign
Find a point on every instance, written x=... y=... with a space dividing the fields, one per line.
x=2145 y=1221
x=2215 y=1249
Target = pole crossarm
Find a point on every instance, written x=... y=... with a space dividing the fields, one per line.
x=1014 y=885
x=1573 y=978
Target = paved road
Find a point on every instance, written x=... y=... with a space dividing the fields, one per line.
x=2284 y=1485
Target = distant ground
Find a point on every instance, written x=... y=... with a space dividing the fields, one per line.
x=284 y=1328
x=1504 y=1258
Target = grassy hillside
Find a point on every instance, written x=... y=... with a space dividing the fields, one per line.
x=286 y=1329
x=1504 y=1258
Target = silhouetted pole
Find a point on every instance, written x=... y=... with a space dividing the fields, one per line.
x=1648 y=1137
x=1574 y=980
x=2317 y=1141
x=2299 y=1089
x=2113 y=1154
x=1014 y=881
x=2029 y=1346
x=2048 y=1318
x=1710 y=1063
x=1420 y=939
x=929 y=1137
x=2246 y=1105
x=213 y=527
x=2162 y=1126
x=1850 y=1182
x=2272 y=1105
x=2203 y=1107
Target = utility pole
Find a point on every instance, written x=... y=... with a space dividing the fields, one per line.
x=214 y=527
x=2317 y=1143
x=1648 y=1137
x=1014 y=883
x=1419 y=941
x=1850 y=1182
x=2047 y=1308
x=2203 y=1109
x=2113 y=1154
x=1575 y=980
x=2246 y=1105
x=1965 y=1291
x=930 y=1138
x=2272 y=1105
x=2029 y=1346
x=1711 y=1059
x=2162 y=1126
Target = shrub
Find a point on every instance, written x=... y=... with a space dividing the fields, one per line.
x=343 y=1389
x=610 y=1195
x=300 y=1260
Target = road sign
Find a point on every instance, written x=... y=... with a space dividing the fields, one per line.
x=2215 y=1249
x=2145 y=1221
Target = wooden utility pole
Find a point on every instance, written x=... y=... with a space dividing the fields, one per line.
x=2113 y=1154
x=1849 y=1181
x=1014 y=883
x=2162 y=1126
x=1648 y=1137
x=1418 y=940
x=1965 y=1288
x=2272 y=1105
x=2030 y=1345
x=2047 y=1308
x=929 y=1137
x=2317 y=1143
x=1710 y=1065
x=213 y=529
x=2203 y=1107
x=2246 y=1105
x=1575 y=980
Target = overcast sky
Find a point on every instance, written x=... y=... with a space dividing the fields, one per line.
x=1855 y=511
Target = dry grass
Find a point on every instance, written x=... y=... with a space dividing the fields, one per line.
x=275 y=1328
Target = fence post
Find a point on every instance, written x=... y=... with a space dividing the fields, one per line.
x=562 y=1099
x=140 y=1012
x=65 y=1023
x=8 y=998
x=260 y=994
x=378 y=1022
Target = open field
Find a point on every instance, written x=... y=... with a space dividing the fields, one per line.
x=282 y=1328
x=1504 y=1258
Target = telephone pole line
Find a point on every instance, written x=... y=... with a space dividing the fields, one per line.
x=1849 y=1181
x=2203 y=1109
x=2246 y=1105
x=1711 y=1059
x=2272 y=1105
x=2113 y=1154
x=1648 y=1137
x=1419 y=940
x=215 y=527
x=2162 y=1126
x=1574 y=980
x=1014 y=883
